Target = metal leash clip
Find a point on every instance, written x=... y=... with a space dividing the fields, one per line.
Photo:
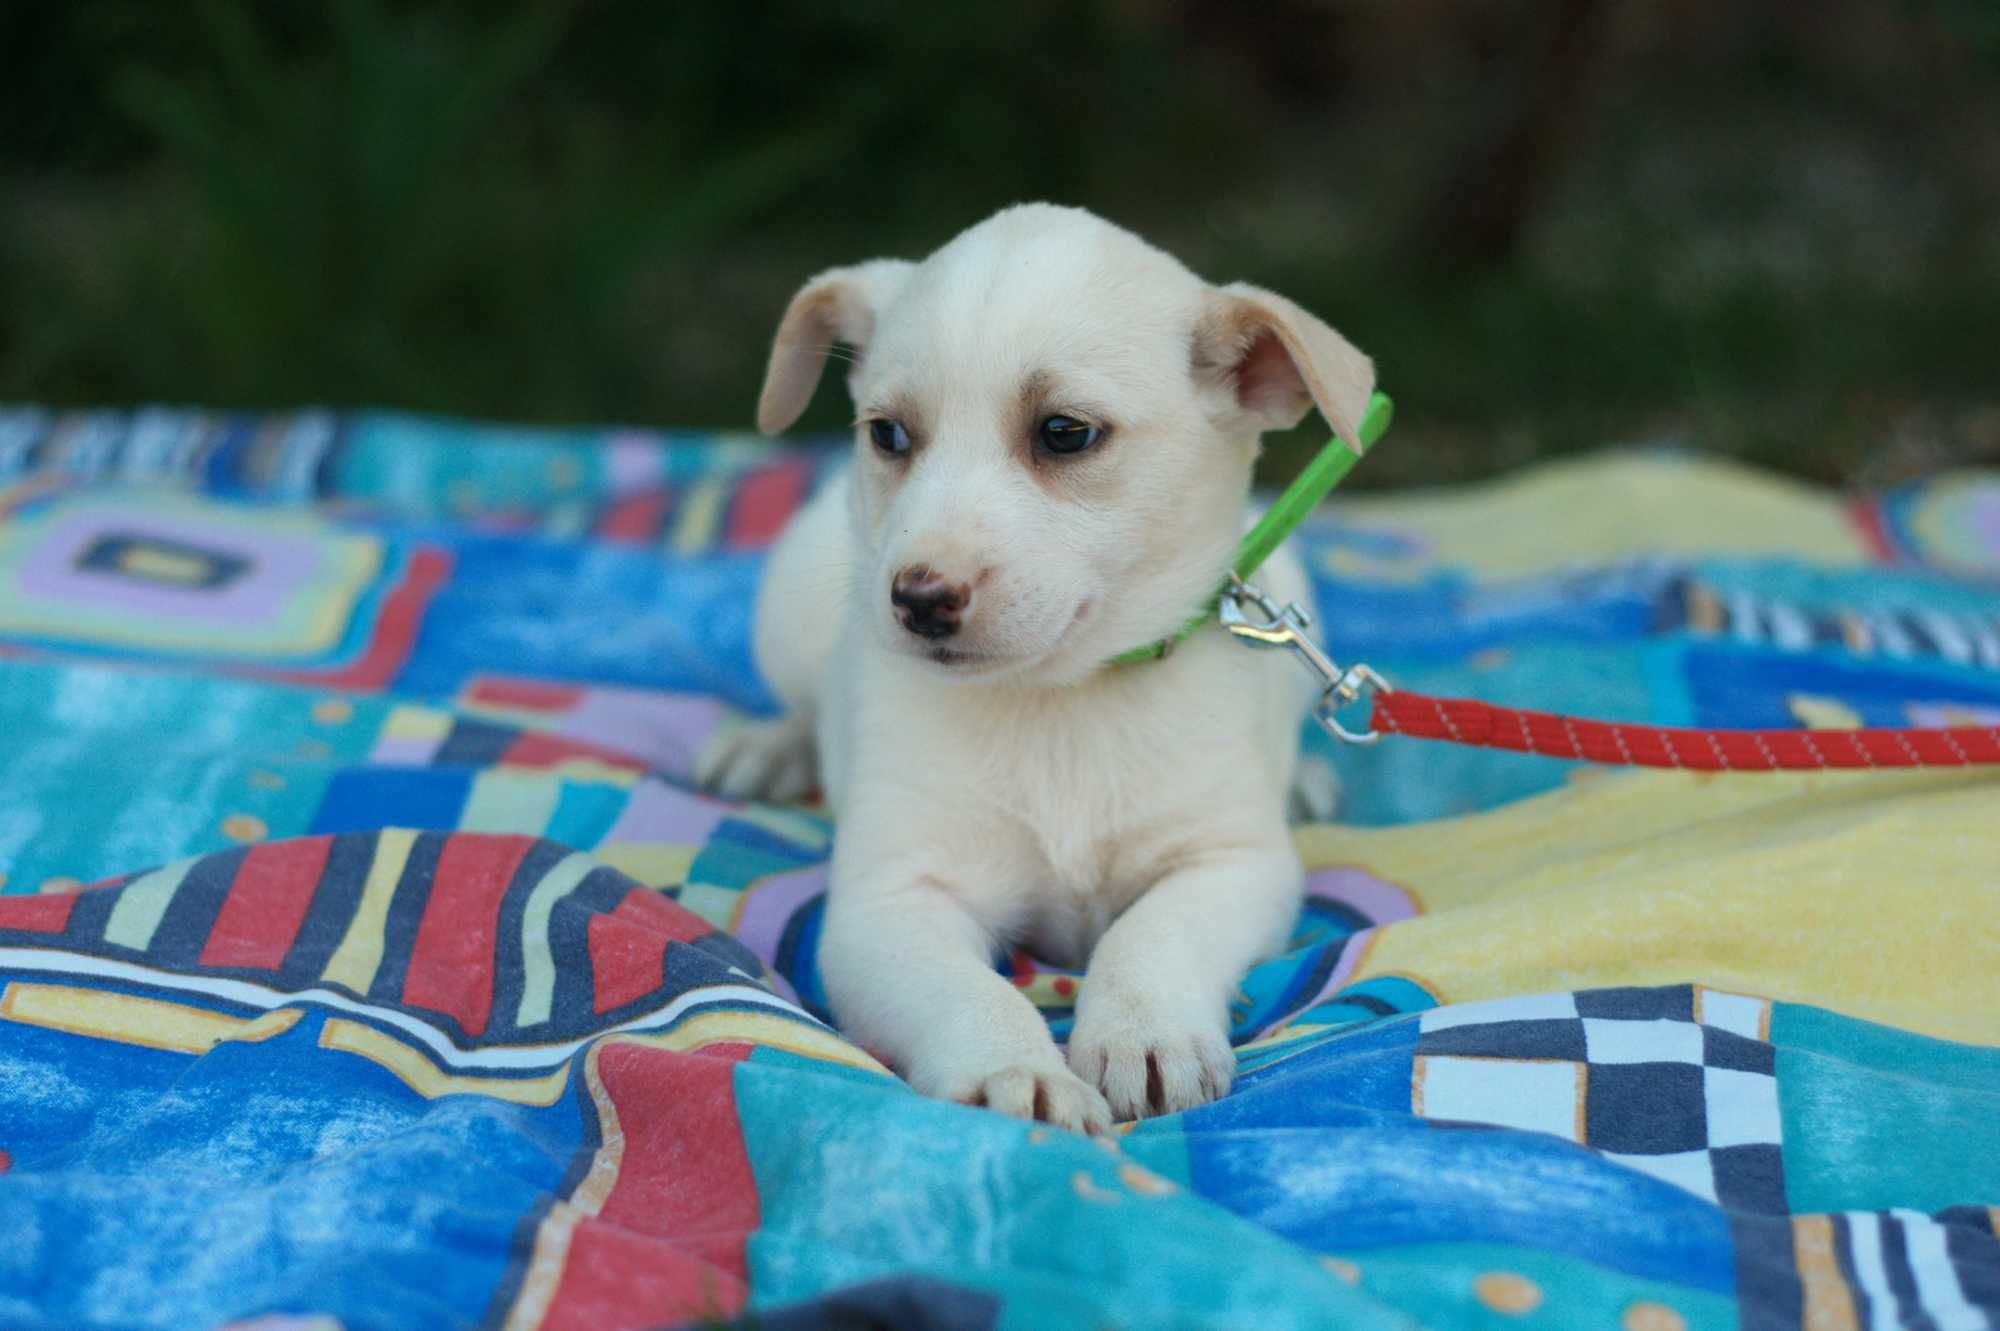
x=1285 y=626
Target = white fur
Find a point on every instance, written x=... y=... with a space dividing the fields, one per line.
x=1131 y=817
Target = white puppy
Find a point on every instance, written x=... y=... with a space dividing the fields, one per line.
x=1055 y=429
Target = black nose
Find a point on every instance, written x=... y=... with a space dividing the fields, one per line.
x=927 y=604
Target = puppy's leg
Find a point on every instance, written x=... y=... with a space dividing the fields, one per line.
x=1315 y=794
x=909 y=974
x=800 y=601
x=760 y=760
x=1152 y=1014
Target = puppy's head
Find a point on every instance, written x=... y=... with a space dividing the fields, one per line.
x=1054 y=429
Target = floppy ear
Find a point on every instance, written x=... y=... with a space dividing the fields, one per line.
x=1277 y=360
x=838 y=306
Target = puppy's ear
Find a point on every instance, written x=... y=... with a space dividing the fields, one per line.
x=838 y=306
x=1277 y=360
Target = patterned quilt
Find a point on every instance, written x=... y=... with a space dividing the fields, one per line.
x=366 y=961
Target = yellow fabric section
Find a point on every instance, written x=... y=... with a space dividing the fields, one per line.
x=509 y=801
x=359 y=955
x=141 y=906
x=728 y=1026
x=1875 y=894
x=1603 y=508
x=130 y=1019
x=654 y=863
x=418 y=1073
x=309 y=618
x=700 y=516
x=417 y=723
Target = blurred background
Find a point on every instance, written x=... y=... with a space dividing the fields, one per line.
x=1763 y=229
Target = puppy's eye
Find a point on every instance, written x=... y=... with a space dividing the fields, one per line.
x=1067 y=434
x=890 y=437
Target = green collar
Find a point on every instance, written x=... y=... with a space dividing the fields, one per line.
x=1301 y=497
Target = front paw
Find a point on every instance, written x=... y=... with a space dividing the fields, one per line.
x=758 y=760
x=1315 y=794
x=1146 y=1057
x=1044 y=1091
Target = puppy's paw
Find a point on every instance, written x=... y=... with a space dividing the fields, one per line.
x=759 y=760
x=1315 y=796
x=1043 y=1092
x=1146 y=1059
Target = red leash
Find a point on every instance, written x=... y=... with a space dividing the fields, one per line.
x=1253 y=618
x=1463 y=721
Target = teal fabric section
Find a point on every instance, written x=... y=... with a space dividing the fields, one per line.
x=1490 y=1287
x=1877 y=1118
x=848 y=1176
x=129 y=769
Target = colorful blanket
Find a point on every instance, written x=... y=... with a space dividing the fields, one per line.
x=366 y=962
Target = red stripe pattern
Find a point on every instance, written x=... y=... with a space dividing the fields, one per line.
x=451 y=962
x=1866 y=515
x=267 y=902
x=669 y=1244
x=1464 y=721
x=765 y=500
x=452 y=941
x=535 y=748
x=528 y=694
x=628 y=947
x=395 y=630
x=634 y=519
x=37 y=915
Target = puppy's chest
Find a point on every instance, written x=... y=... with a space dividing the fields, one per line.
x=1059 y=809
x=1102 y=812
x=1088 y=876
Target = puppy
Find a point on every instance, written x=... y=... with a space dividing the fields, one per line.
x=1054 y=434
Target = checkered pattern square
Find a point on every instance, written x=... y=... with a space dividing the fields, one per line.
x=1676 y=1082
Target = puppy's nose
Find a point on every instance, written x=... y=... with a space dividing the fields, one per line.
x=928 y=605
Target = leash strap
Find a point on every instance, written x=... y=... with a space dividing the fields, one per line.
x=1300 y=498
x=1308 y=488
x=1465 y=721
x=1255 y=620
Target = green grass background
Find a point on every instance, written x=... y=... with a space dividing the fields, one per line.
x=1765 y=230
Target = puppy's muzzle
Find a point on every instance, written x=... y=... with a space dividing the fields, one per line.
x=927 y=605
